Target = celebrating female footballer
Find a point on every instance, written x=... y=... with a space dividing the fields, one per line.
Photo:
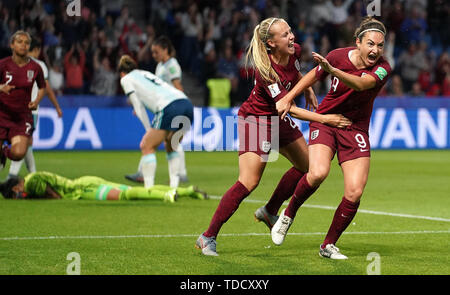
x=358 y=74
x=277 y=61
x=17 y=76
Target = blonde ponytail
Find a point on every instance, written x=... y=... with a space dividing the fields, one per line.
x=257 y=54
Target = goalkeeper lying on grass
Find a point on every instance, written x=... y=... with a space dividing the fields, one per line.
x=46 y=185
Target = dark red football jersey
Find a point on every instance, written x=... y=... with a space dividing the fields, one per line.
x=264 y=95
x=22 y=78
x=341 y=99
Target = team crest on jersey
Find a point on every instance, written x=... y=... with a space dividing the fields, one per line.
x=297 y=65
x=265 y=146
x=314 y=134
x=30 y=75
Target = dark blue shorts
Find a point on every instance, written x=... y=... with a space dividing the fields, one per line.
x=174 y=116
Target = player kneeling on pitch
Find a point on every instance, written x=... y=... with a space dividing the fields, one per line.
x=47 y=185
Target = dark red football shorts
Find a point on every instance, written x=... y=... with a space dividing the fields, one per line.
x=17 y=124
x=349 y=143
x=261 y=134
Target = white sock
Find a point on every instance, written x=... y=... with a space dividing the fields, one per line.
x=140 y=165
x=173 y=160
x=149 y=169
x=182 y=169
x=29 y=160
x=14 y=168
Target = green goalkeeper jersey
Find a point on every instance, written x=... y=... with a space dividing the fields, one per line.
x=37 y=182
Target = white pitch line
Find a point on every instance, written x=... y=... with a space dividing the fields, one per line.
x=359 y=210
x=222 y=235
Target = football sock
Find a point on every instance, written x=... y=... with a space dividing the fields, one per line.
x=181 y=191
x=149 y=169
x=342 y=217
x=173 y=160
x=227 y=206
x=301 y=193
x=185 y=191
x=29 y=160
x=182 y=166
x=141 y=193
x=140 y=165
x=14 y=168
x=284 y=190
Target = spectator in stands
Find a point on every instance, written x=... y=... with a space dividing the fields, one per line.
x=389 y=47
x=442 y=67
x=416 y=90
x=411 y=62
x=74 y=61
x=56 y=78
x=209 y=68
x=192 y=25
x=144 y=56
x=198 y=25
x=123 y=18
x=131 y=37
x=414 y=26
x=110 y=31
x=227 y=67
x=446 y=86
x=105 y=78
x=338 y=11
x=396 y=86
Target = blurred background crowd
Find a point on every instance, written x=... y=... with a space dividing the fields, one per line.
x=210 y=38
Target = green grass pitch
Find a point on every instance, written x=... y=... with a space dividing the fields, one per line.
x=404 y=217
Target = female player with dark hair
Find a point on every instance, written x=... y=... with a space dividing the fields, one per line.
x=276 y=59
x=47 y=185
x=358 y=74
x=168 y=68
x=17 y=76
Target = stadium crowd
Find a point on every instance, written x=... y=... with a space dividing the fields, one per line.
x=210 y=38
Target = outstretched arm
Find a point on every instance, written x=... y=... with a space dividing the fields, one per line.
x=354 y=82
x=284 y=105
x=333 y=120
x=51 y=95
